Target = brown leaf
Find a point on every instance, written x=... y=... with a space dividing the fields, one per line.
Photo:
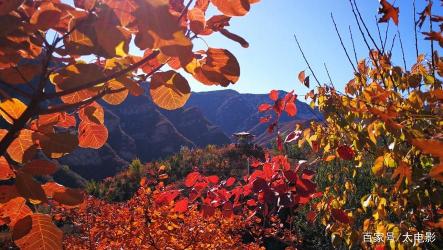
x=39 y=167
x=389 y=12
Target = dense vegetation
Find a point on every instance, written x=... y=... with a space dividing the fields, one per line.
x=366 y=176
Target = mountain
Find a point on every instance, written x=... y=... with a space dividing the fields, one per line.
x=139 y=129
x=234 y=112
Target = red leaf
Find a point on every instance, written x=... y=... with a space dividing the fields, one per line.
x=251 y=203
x=265 y=119
x=213 y=179
x=273 y=95
x=310 y=216
x=291 y=109
x=181 y=206
x=389 y=12
x=191 y=179
x=230 y=181
x=227 y=209
x=340 y=216
x=278 y=106
x=345 y=152
x=279 y=143
x=264 y=107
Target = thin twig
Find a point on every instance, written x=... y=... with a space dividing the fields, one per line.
x=402 y=49
x=306 y=60
x=353 y=46
x=393 y=42
x=379 y=35
x=185 y=10
x=386 y=35
x=329 y=76
x=342 y=44
x=431 y=40
x=17 y=90
x=415 y=29
x=365 y=26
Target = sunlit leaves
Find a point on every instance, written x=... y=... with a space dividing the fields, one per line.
x=169 y=90
x=433 y=147
x=42 y=233
x=118 y=97
x=232 y=7
x=65 y=196
x=11 y=109
x=6 y=172
x=402 y=172
x=197 y=20
x=14 y=210
x=219 y=67
x=92 y=135
x=46 y=16
x=23 y=148
x=304 y=79
x=76 y=75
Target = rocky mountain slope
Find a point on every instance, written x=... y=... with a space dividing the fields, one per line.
x=139 y=129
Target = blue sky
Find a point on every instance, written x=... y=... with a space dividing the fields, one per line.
x=273 y=61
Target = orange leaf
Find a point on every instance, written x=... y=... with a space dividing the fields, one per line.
x=46 y=16
x=119 y=97
x=220 y=67
x=93 y=113
x=14 y=210
x=291 y=109
x=92 y=135
x=6 y=172
x=403 y=171
x=169 y=90
x=432 y=147
x=389 y=12
x=301 y=76
x=197 y=20
x=23 y=148
x=232 y=7
x=273 y=95
x=264 y=107
x=43 y=234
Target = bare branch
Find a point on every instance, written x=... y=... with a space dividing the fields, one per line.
x=329 y=76
x=353 y=46
x=415 y=29
x=306 y=60
x=342 y=44
x=366 y=27
x=402 y=49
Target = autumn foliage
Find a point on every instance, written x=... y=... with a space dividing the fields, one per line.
x=60 y=63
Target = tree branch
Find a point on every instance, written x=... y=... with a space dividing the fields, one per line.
x=306 y=60
x=69 y=106
x=342 y=44
x=104 y=79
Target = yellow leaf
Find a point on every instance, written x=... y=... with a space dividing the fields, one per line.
x=378 y=167
x=12 y=109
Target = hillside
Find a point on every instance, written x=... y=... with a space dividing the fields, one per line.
x=139 y=129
